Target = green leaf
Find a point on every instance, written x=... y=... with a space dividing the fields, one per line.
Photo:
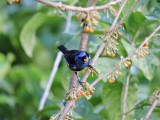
x=85 y=109
x=5 y=63
x=54 y=107
x=144 y=66
x=104 y=64
x=130 y=49
x=4 y=99
x=152 y=59
x=28 y=33
x=135 y=26
x=111 y=98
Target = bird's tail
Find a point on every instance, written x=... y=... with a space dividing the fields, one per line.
x=62 y=48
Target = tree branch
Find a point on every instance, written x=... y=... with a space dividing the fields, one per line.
x=124 y=98
x=73 y=8
x=119 y=12
x=154 y=104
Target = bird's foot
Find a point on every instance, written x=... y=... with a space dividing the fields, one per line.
x=93 y=70
x=81 y=82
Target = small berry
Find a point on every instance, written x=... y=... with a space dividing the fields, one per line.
x=86 y=29
x=17 y=1
x=87 y=20
x=88 y=93
x=119 y=73
x=111 y=81
x=97 y=16
x=91 y=30
x=145 y=44
x=141 y=55
x=119 y=34
x=129 y=63
x=82 y=93
x=83 y=72
x=112 y=55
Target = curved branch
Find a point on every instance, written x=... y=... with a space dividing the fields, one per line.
x=73 y=8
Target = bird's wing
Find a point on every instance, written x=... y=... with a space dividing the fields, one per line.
x=70 y=56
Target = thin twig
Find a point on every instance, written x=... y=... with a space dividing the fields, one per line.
x=154 y=104
x=50 y=81
x=118 y=14
x=128 y=11
x=129 y=57
x=124 y=98
x=74 y=8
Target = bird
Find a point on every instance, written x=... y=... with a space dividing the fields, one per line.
x=77 y=60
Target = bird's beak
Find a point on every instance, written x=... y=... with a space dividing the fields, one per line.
x=86 y=60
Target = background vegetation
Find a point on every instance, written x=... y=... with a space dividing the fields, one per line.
x=29 y=35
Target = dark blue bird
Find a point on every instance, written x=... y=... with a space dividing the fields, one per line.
x=76 y=59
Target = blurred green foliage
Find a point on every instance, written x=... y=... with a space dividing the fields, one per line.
x=29 y=35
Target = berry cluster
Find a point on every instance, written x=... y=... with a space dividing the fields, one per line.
x=89 y=20
x=112 y=77
x=75 y=93
x=111 y=43
x=143 y=51
x=126 y=63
